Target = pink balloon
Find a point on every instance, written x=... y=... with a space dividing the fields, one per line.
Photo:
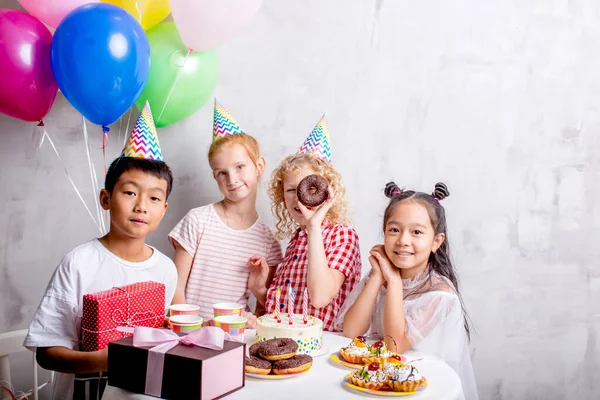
x=51 y=12
x=204 y=24
x=27 y=86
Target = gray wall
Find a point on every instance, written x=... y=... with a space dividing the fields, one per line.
x=497 y=98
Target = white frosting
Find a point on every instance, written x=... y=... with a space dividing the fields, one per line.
x=354 y=349
x=372 y=376
x=384 y=354
x=309 y=336
x=298 y=322
x=404 y=373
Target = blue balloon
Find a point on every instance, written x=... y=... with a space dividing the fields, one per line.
x=100 y=59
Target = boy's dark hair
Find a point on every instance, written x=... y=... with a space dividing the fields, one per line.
x=439 y=261
x=122 y=164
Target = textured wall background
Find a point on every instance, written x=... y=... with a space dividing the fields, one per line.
x=497 y=98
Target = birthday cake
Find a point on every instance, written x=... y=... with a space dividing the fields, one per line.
x=309 y=336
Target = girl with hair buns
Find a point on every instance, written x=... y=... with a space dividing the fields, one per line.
x=411 y=296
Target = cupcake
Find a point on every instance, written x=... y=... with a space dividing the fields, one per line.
x=405 y=378
x=356 y=351
x=370 y=377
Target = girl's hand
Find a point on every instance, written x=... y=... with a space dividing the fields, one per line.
x=259 y=272
x=390 y=272
x=250 y=319
x=315 y=216
x=210 y=322
x=375 y=270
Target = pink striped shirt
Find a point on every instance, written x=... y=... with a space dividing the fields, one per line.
x=218 y=272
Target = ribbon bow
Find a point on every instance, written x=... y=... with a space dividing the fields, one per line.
x=162 y=340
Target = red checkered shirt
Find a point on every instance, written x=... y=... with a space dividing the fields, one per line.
x=342 y=253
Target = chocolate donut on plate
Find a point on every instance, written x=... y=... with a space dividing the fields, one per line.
x=298 y=363
x=278 y=349
x=312 y=190
x=254 y=350
x=257 y=365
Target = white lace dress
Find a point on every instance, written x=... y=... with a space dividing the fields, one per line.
x=434 y=322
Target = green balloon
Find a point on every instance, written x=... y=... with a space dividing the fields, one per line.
x=184 y=81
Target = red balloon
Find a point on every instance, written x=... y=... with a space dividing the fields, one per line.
x=27 y=86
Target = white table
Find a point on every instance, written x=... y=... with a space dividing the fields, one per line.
x=324 y=380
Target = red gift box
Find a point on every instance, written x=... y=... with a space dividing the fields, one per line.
x=138 y=304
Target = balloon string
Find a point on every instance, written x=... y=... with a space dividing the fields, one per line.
x=140 y=11
x=47 y=136
x=119 y=131
x=105 y=130
x=104 y=144
x=93 y=175
x=173 y=85
x=119 y=150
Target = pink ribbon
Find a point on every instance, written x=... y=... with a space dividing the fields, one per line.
x=162 y=340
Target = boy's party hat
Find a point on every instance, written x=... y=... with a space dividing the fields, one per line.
x=317 y=142
x=223 y=123
x=143 y=140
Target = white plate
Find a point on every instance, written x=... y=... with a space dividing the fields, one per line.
x=276 y=377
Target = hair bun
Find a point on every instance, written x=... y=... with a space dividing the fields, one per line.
x=440 y=191
x=391 y=190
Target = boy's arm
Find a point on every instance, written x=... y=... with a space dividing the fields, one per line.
x=183 y=261
x=63 y=359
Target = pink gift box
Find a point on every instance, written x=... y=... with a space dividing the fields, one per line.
x=188 y=372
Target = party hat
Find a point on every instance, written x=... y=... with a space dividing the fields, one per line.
x=143 y=140
x=317 y=142
x=223 y=123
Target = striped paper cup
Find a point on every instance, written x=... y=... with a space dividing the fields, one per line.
x=221 y=309
x=185 y=323
x=184 y=309
x=232 y=324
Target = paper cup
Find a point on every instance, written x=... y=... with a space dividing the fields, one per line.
x=185 y=323
x=221 y=309
x=184 y=309
x=232 y=324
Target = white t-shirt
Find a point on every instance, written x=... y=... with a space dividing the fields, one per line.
x=89 y=268
x=219 y=273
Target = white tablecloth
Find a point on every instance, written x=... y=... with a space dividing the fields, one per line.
x=325 y=379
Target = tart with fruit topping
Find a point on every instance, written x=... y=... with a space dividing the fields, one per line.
x=356 y=351
x=405 y=378
x=378 y=353
x=393 y=361
x=370 y=377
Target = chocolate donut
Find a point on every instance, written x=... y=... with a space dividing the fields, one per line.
x=312 y=190
x=254 y=350
x=257 y=365
x=298 y=363
x=278 y=349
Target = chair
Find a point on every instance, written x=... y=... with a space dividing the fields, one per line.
x=11 y=343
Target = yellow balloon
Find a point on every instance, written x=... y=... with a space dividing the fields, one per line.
x=152 y=11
